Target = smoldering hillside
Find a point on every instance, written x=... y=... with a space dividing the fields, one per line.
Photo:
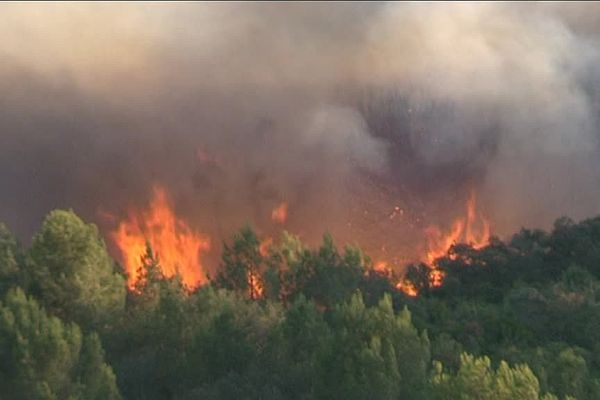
x=372 y=120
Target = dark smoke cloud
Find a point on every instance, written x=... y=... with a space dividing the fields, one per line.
x=371 y=120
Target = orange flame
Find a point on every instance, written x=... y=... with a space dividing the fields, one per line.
x=438 y=243
x=436 y=278
x=255 y=286
x=382 y=267
x=408 y=288
x=280 y=213
x=177 y=245
x=386 y=270
x=483 y=239
x=463 y=230
x=264 y=246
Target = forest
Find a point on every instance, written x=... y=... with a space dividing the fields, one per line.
x=516 y=319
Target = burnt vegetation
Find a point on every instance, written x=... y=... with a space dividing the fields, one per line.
x=517 y=319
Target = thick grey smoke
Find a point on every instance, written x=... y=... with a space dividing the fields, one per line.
x=371 y=120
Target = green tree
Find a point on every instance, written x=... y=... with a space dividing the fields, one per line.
x=72 y=273
x=324 y=275
x=477 y=380
x=305 y=342
x=153 y=336
x=43 y=358
x=242 y=264
x=375 y=354
x=569 y=375
x=9 y=260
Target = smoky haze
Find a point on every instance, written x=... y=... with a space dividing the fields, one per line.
x=372 y=121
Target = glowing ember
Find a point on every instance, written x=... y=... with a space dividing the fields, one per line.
x=176 y=244
x=436 y=278
x=382 y=267
x=408 y=289
x=255 y=286
x=280 y=213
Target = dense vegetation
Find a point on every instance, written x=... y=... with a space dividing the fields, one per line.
x=514 y=320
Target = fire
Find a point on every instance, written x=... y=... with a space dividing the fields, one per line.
x=176 y=244
x=382 y=267
x=463 y=231
x=483 y=239
x=255 y=286
x=473 y=229
x=408 y=288
x=264 y=246
x=405 y=286
x=438 y=243
x=436 y=278
x=280 y=213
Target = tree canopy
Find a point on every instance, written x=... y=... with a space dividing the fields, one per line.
x=71 y=272
x=517 y=319
x=43 y=358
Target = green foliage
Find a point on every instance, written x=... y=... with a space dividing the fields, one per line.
x=10 y=271
x=477 y=380
x=240 y=261
x=375 y=353
x=153 y=334
x=570 y=374
x=534 y=300
x=324 y=275
x=43 y=358
x=513 y=320
x=71 y=272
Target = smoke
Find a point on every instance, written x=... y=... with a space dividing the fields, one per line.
x=371 y=120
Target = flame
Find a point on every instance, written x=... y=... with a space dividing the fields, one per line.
x=264 y=246
x=382 y=267
x=176 y=244
x=436 y=277
x=438 y=243
x=255 y=286
x=408 y=288
x=463 y=231
x=405 y=286
x=483 y=239
x=280 y=213
x=473 y=229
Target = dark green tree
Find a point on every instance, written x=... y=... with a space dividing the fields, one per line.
x=43 y=358
x=242 y=265
x=477 y=380
x=374 y=354
x=10 y=269
x=71 y=272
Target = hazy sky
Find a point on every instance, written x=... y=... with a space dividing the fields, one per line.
x=343 y=110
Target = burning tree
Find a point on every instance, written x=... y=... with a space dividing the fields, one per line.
x=242 y=264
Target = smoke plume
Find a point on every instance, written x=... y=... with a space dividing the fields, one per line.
x=371 y=121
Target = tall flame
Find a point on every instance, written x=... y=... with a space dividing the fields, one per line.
x=464 y=230
x=176 y=244
x=472 y=229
